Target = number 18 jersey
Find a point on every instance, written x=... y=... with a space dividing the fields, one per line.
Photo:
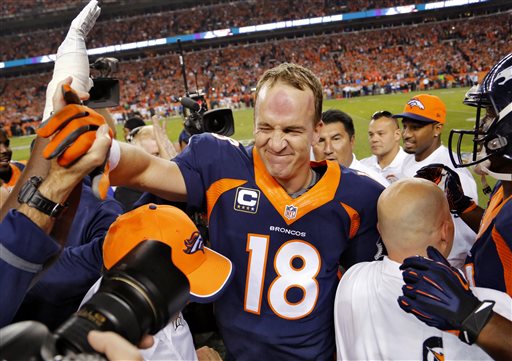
x=286 y=251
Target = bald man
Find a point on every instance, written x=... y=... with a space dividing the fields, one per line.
x=384 y=137
x=369 y=324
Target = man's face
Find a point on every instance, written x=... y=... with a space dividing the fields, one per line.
x=284 y=130
x=5 y=151
x=419 y=138
x=383 y=136
x=334 y=144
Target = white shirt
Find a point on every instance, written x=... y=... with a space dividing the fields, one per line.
x=370 y=325
x=393 y=171
x=357 y=165
x=173 y=342
x=464 y=236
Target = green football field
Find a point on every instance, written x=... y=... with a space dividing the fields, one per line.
x=459 y=116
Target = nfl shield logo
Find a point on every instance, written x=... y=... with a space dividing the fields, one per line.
x=290 y=212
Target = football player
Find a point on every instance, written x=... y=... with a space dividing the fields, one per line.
x=489 y=262
x=285 y=223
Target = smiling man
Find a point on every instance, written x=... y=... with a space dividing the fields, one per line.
x=285 y=223
x=423 y=120
x=9 y=171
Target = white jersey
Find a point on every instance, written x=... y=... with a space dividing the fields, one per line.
x=370 y=325
x=464 y=236
x=393 y=171
x=173 y=342
x=357 y=165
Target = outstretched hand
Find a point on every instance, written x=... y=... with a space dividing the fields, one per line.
x=86 y=19
x=165 y=147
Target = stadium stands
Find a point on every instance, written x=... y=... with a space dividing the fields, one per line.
x=446 y=52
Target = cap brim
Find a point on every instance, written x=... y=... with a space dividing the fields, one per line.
x=209 y=280
x=416 y=117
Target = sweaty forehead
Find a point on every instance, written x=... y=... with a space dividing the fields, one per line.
x=282 y=97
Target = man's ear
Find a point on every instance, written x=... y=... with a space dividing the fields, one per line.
x=316 y=134
x=398 y=135
x=446 y=242
x=438 y=128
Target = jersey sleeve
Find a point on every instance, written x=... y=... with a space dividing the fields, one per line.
x=502 y=238
x=203 y=162
x=24 y=249
x=366 y=244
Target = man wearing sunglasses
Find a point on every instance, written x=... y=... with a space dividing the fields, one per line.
x=423 y=119
x=384 y=137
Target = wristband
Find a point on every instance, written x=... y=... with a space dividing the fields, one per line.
x=114 y=155
x=473 y=324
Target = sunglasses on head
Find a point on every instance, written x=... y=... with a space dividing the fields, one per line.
x=380 y=114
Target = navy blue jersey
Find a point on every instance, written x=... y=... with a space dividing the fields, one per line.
x=59 y=291
x=286 y=251
x=489 y=263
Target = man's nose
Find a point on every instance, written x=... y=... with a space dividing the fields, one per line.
x=327 y=147
x=277 y=141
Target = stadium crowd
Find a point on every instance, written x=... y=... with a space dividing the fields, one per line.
x=157 y=25
x=346 y=62
x=405 y=243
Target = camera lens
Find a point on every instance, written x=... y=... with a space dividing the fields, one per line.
x=219 y=121
x=137 y=296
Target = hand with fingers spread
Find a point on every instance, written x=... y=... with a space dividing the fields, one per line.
x=458 y=202
x=439 y=295
x=165 y=147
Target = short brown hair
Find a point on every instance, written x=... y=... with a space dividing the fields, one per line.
x=298 y=77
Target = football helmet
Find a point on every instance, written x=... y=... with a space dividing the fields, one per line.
x=492 y=135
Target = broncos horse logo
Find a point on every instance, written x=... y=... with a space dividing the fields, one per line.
x=194 y=243
x=414 y=102
x=505 y=75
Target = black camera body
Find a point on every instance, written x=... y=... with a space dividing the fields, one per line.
x=139 y=295
x=105 y=90
x=198 y=119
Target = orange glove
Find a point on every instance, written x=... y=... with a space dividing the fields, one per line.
x=74 y=130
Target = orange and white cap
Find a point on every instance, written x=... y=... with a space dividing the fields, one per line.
x=208 y=272
x=424 y=108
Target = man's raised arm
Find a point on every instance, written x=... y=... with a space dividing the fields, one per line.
x=137 y=169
